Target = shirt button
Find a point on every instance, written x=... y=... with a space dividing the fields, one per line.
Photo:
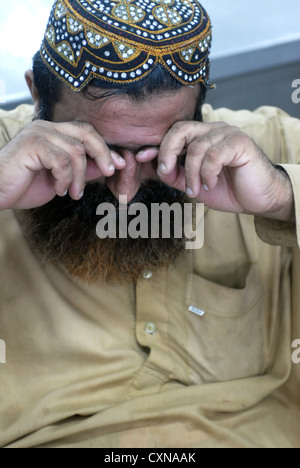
x=150 y=328
x=147 y=275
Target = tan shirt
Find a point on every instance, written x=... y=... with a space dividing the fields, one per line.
x=82 y=369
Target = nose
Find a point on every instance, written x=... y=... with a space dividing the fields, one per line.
x=127 y=181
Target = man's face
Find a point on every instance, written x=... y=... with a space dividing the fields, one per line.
x=129 y=126
x=64 y=230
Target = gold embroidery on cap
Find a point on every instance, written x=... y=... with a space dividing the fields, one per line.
x=187 y=54
x=74 y=26
x=127 y=12
x=123 y=40
x=124 y=51
x=167 y=16
x=95 y=39
x=66 y=52
x=60 y=10
x=50 y=35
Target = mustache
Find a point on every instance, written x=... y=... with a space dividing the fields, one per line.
x=62 y=208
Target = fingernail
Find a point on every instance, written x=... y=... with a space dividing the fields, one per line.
x=80 y=195
x=141 y=152
x=111 y=168
x=206 y=188
x=117 y=157
x=162 y=168
x=189 y=192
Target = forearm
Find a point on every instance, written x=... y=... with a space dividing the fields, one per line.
x=283 y=230
x=284 y=201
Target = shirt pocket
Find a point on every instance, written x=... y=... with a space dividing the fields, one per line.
x=226 y=329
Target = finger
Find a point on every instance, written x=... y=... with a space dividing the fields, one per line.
x=175 y=179
x=171 y=147
x=94 y=144
x=193 y=163
x=147 y=154
x=206 y=146
x=76 y=151
x=118 y=161
x=224 y=153
x=58 y=162
x=79 y=167
x=212 y=166
x=181 y=135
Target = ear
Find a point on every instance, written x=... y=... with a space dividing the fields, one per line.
x=33 y=90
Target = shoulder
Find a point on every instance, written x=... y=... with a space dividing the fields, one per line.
x=273 y=130
x=244 y=117
x=12 y=122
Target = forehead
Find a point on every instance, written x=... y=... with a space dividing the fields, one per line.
x=123 y=121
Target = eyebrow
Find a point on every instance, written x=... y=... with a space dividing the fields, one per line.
x=136 y=149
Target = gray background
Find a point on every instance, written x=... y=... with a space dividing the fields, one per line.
x=255 y=55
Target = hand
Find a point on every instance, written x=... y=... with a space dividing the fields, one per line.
x=224 y=169
x=48 y=159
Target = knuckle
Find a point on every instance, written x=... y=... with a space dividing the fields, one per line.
x=35 y=133
x=243 y=138
x=221 y=123
x=195 y=147
x=31 y=138
x=38 y=124
x=57 y=158
x=79 y=151
x=85 y=127
x=64 y=161
x=182 y=126
x=213 y=153
x=207 y=139
x=237 y=138
x=178 y=126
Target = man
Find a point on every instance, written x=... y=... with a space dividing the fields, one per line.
x=139 y=342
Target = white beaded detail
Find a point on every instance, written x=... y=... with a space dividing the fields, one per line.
x=123 y=40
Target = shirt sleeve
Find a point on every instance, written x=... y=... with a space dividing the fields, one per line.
x=287 y=137
x=294 y=173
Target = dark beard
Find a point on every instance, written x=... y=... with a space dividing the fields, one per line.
x=63 y=233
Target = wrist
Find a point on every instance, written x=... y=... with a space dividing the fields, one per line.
x=284 y=204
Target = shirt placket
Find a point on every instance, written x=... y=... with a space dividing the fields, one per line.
x=152 y=333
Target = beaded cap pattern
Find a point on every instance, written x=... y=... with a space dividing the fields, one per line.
x=121 y=41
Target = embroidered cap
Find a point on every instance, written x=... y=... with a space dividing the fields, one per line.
x=122 y=41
